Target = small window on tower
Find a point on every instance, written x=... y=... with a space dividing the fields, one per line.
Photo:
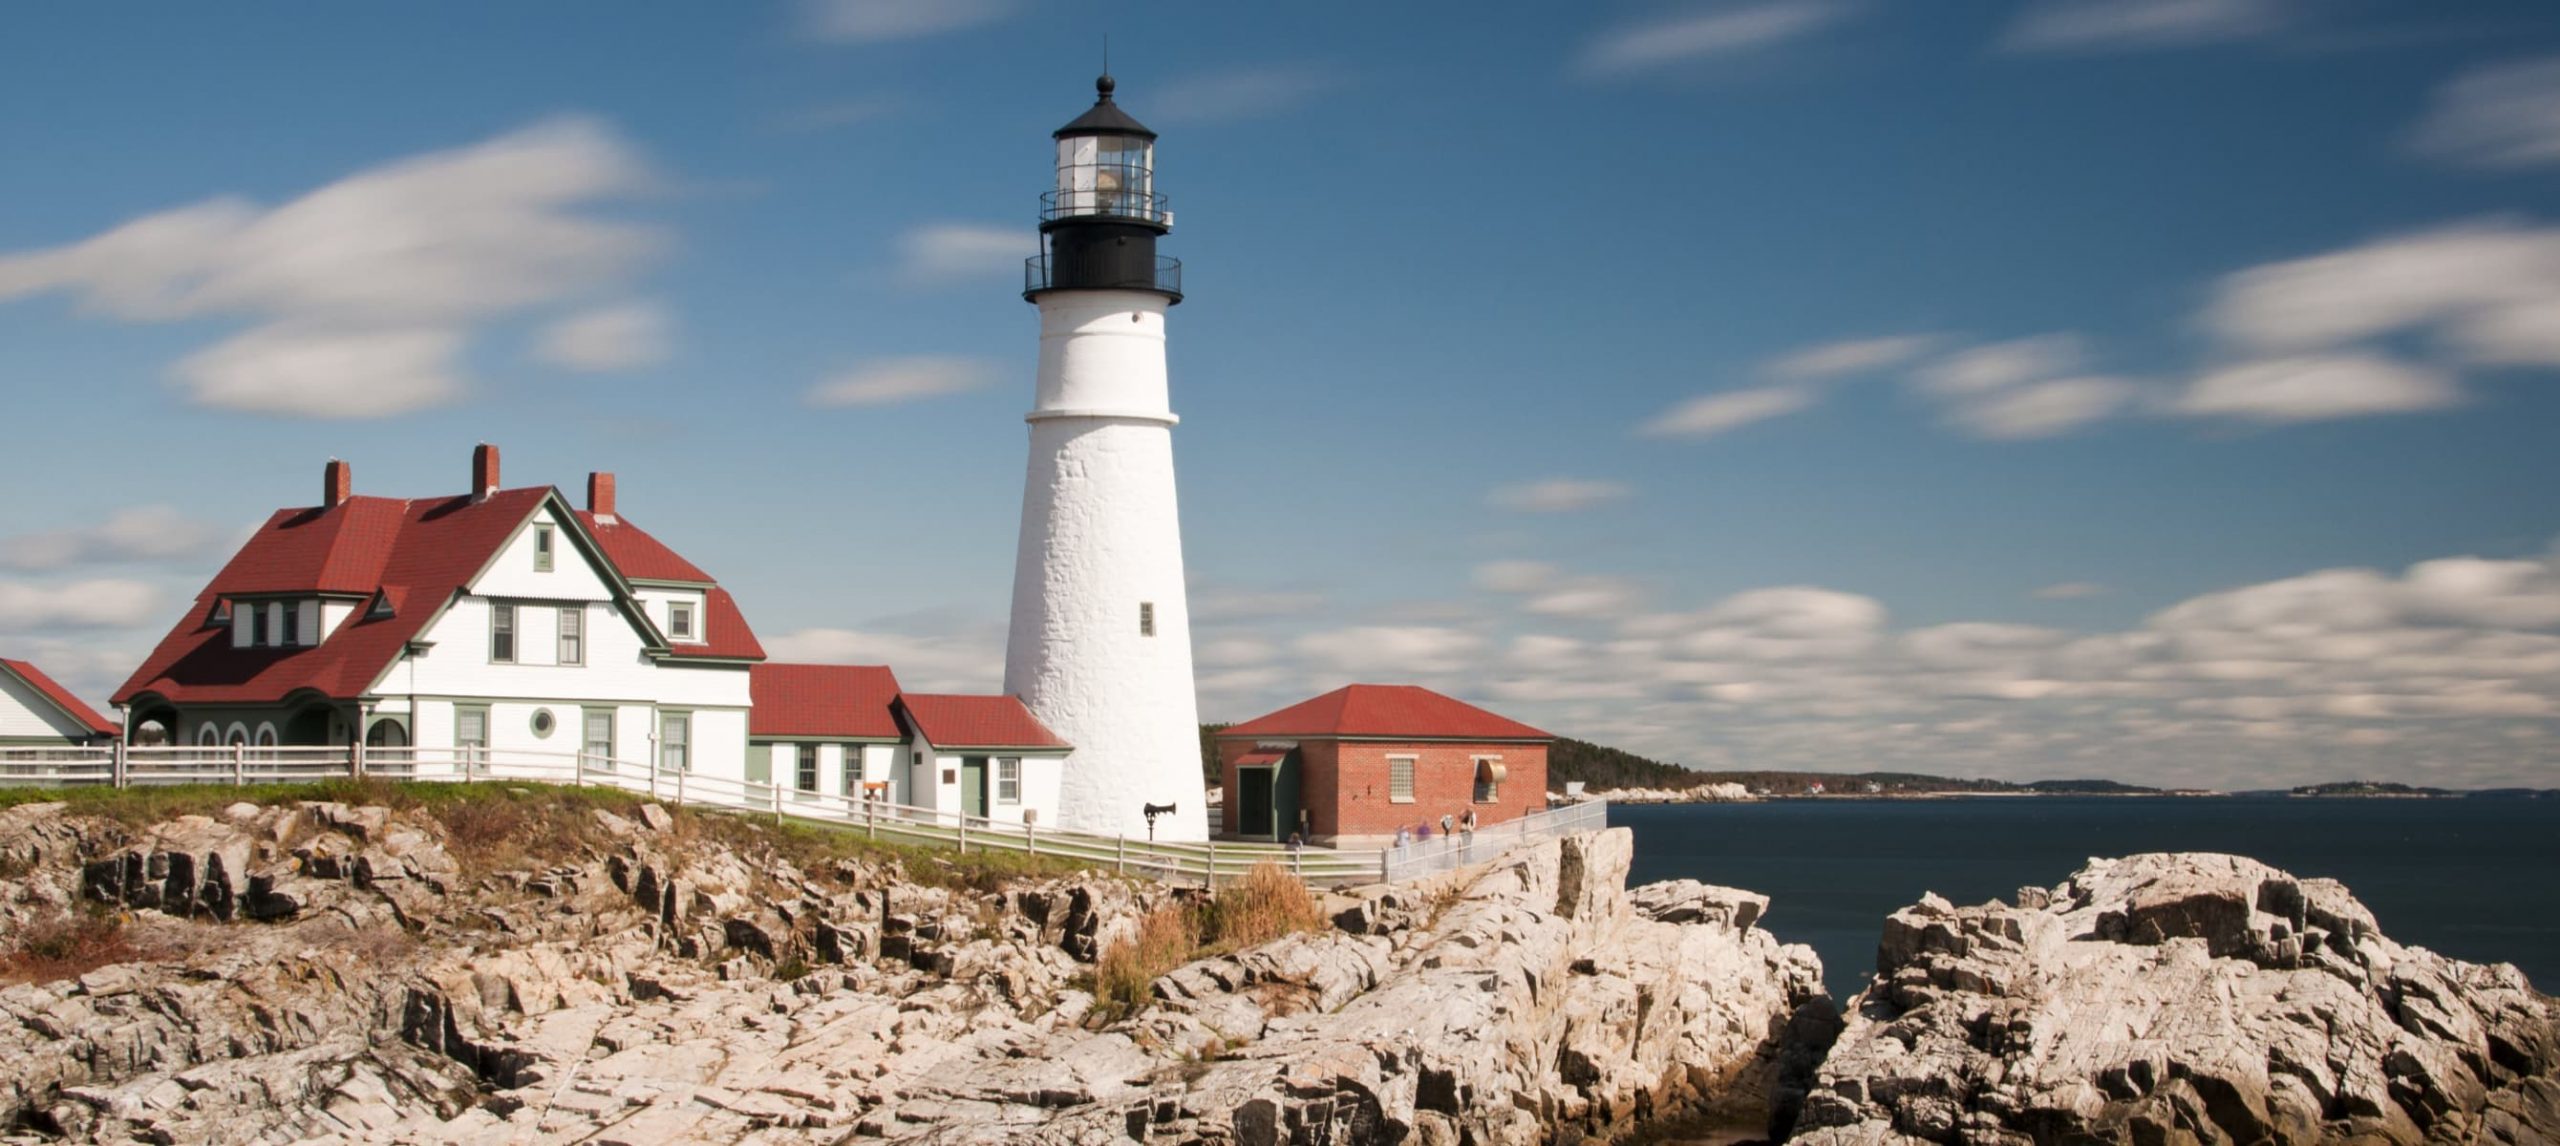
x=1146 y=618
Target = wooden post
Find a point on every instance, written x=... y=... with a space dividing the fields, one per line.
x=680 y=787
x=964 y=833
x=239 y=765
x=1120 y=856
x=1213 y=865
x=117 y=762
x=1031 y=838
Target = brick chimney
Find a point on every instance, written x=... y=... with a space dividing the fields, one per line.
x=600 y=496
x=484 y=471
x=337 y=484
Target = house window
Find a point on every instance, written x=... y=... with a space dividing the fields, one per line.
x=852 y=769
x=573 y=635
x=680 y=620
x=808 y=768
x=292 y=626
x=542 y=548
x=1489 y=774
x=599 y=742
x=1146 y=618
x=1399 y=779
x=1008 y=779
x=471 y=727
x=257 y=626
x=502 y=634
x=209 y=736
x=674 y=741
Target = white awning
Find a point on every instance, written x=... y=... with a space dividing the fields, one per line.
x=1490 y=771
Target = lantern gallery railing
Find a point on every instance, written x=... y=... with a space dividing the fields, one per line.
x=1038 y=275
x=1106 y=202
x=1205 y=863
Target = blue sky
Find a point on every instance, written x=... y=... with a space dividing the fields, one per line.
x=2161 y=388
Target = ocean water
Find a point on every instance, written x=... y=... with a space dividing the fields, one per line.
x=2477 y=880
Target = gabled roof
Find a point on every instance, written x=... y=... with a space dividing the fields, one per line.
x=822 y=700
x=640 y=556
x=52 y=690
x=730 y=638
x=949 y=721
x=415 y=554
x=1386 y=712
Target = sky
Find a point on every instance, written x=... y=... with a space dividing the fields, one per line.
x=2154 y=389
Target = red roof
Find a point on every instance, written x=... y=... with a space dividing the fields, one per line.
x=61 y=697
x=822 y=700
x=1386 y=712
x=640 y=556
x=726 y=626
x=978 y=722
x=417 y=553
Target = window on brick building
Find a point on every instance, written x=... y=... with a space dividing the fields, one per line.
x=1400 y=779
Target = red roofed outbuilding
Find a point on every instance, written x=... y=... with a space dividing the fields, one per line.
x=826 y=731
x=984 y=756
x=37 y=712
x=1357 y=763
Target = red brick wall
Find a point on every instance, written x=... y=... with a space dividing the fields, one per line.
x=1345 y=787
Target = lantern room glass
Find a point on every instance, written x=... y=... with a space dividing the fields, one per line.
x=1106 y=175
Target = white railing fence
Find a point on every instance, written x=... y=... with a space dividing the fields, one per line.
x=1204 y=863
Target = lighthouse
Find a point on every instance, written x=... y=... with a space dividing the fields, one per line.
x=1100 y=648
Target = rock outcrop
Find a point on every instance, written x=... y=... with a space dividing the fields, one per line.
x=2182 y=999
x=332 y=973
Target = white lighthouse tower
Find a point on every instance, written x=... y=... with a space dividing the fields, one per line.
x=1101 y=642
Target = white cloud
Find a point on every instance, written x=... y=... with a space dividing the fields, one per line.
x=99 y=604
x=365 y=289
x=969 y=660
x=624 y=336
x=141 y=533
x=2096 y=25
x=1708 y=415
x=1589 y=598
x=1853 y=356
x=1720 y=32
x=2044 y=409
x=1557 y=495
x=2486 y=289
x=295 y=371
x=1514 y=576
x=955 y=252
x=1219 y=604
x=877 y=21
x=895 y=380
x=1389 y=652
x=2504 y=115
x=2318 y=387
x=1241 y=93
x=2070 y=591
x=1982 y=369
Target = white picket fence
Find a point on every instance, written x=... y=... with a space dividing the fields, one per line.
x=1204 y=863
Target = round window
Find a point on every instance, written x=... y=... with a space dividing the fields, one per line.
x=543 y=722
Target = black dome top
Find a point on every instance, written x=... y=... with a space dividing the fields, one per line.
x=1104 y=117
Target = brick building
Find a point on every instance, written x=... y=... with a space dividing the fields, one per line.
x=1353 y=765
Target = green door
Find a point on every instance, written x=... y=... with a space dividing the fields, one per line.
x=973 y=785
x=1288 y=801
x=1253 y=803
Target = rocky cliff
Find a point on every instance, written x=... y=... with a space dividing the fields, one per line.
x=328 y=972
x=2182 y=999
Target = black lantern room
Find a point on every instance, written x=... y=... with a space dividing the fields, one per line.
x=1100 y=222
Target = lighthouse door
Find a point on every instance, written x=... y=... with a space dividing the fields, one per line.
x=973 y=785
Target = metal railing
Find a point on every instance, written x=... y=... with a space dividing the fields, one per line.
x=1205 y=862
x=1416 y=858
x=1106 y=203
x=1167 y=279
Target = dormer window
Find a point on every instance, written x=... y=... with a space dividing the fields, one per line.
x=257 y=627
x=290 y=633
x=221 y=614
x=542 y=543
x=380 y=608
x=680 y=620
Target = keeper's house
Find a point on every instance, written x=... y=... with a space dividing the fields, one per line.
x=502 y=619
x=35 y=712
x=1350 y=767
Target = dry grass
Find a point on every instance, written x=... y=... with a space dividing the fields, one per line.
x=1265 y=905
x=1167 y=937
x=66 y=946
